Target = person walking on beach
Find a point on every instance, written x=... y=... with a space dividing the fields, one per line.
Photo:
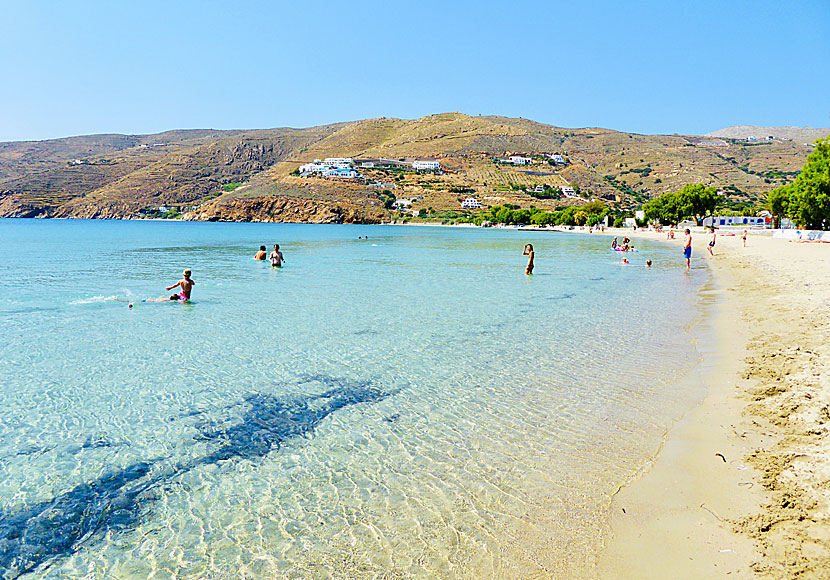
x=687 y=249
x=186 y=284
x=276 y=257
x=260 y=255
x=712 y=243
x=743 y=238
x=529 y=252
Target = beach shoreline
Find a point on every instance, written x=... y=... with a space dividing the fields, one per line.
x=739 y=488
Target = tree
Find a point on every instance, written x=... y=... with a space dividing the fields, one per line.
x=809 y=201
x=778 y=201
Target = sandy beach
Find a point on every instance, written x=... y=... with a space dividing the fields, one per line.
x=741 y=486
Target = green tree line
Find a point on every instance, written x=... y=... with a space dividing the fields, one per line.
x=589 y=214
x=693 y=201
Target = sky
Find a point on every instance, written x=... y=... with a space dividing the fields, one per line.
x=688 y=67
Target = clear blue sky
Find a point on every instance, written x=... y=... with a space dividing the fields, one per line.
x=71 y=68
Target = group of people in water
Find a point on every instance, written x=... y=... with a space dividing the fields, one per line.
x=625 y=246
x=186 y=284
x=276 y=257
x=277 y=260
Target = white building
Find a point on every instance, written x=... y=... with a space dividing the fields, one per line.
x=368 y=165
x=339 y=162
x=316 y=167
x=519 y=160
x=748 y=221
x=402 y=203
x=471 y=203
x=426 y=165
x=568 y=191
x=556 y=158
x=340 y=173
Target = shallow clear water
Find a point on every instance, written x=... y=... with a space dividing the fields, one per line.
x=411 y=405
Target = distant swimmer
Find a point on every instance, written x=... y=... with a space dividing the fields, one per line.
x=648 y=263
x=687 y=249
x=260 y=255
x=614 y=244
x=529 y=252
x=186 y=285
x=276 y=257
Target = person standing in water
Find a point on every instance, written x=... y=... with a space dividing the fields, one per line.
x=260 y=255
x=276 y=257
x=712 y=243
x=687 y=249
x=186 y=284
x=529 y=252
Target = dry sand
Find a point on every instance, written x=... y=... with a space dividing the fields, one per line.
x=741 y=487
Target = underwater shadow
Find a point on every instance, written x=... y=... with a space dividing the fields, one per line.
x=41 y=533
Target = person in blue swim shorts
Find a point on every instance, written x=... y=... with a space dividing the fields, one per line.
x=687 y=248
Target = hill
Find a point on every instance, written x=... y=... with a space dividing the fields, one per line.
x=799 y=134
x=243 y=175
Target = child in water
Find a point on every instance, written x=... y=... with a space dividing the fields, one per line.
x=529 y=252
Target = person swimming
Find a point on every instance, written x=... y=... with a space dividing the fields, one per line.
x=614 y=244
x=260 y=255
x=648 y=263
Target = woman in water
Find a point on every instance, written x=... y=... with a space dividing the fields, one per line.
x=529 y=252
x=712 y=243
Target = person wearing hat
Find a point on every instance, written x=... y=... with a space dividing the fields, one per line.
x=186 y=284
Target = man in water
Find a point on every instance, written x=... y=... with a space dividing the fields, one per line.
x=648 y=263
x=687 y=249
x=276 y=257
x=260 y=255
x=186 y=284
x=529 y=252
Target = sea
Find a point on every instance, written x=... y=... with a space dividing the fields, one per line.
x=394 y=402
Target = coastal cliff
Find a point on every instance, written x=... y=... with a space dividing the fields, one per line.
x=281 y=209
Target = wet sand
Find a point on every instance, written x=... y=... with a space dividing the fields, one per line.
x=741 y=486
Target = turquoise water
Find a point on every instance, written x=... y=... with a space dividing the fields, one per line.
x=407 y=406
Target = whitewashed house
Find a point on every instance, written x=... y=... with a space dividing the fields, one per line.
x=427 y=165
x=401 y=203
x=471 y=203
x=311 y=168
x=340 y=173
x=519 y=160
x=568 y=191
x=556 y=158
x=339 y=162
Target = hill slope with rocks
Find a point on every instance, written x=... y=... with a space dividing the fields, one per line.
x=251 y=174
